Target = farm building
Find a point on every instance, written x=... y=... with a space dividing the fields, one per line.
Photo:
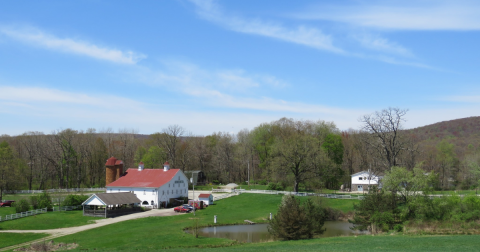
x=206 y=198
x=154 y=187
x=110 y=204
x=361 y=181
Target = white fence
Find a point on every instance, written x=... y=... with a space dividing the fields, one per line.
x=56 y=190
x=23 y=214
x=232 y=192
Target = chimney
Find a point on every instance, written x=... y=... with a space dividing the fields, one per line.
x=166 y=166
x=140 y=166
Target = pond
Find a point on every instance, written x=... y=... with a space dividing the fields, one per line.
x=259 y=232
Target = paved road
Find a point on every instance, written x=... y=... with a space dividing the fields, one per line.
x=54 y=233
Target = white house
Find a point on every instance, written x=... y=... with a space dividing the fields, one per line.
x=154 y=187
x=206 y=198
x=362 y=180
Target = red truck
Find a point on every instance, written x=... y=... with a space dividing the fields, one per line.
x=5 y=203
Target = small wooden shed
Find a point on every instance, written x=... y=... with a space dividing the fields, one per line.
x=111 y=204
x=206 y=198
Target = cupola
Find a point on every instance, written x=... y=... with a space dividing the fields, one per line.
x=140 y=166
x=166 y=166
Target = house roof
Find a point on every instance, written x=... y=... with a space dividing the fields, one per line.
x=204 y=195
x=151 y=178
x=115 y=198
x=373 y=174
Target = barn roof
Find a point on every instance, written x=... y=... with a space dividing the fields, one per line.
x=151 y=178
x=114 y=198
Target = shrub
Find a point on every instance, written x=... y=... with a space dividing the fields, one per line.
x=42 y=201
x=74 y=200
x=21 y=206
x=262 y=182
x=398 y=228
x=295 y=221
x=215 y=182
x=272 y=186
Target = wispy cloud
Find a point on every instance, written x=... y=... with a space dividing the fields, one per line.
x=303 y=35
x=377 y=43
x=64 y=109
x=37 y=37
x=401 y=15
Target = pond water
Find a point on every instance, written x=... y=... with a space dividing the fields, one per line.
x=259 y=232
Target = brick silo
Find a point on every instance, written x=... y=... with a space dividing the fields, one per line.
x=119 y=168
x=111 y=171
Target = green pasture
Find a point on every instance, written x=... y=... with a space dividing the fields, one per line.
x=168 y=232
x=49 y=220
x=362 y=243
x=10 y=239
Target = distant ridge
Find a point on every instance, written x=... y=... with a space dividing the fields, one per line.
x=461 y=132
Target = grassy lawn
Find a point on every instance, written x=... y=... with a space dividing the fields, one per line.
x=6 y=210
x=364 y=243
x=167 y=232
x=49 y=220
x=9 y=239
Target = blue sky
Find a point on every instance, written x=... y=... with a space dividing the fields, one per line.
x=213 y=66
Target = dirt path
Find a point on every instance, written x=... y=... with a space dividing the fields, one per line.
x=55 y=233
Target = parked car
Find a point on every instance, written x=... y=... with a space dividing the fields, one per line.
x=182 y=209
x=5 y=203
x=188 y=206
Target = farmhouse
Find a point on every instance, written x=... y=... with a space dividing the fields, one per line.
x=153 y=187
x=362 y=181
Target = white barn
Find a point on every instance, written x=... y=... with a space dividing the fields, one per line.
x=361 y=181
x=154 y=187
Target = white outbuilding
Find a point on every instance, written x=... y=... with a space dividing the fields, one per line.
x=362 y=181
x=155 y=188
x=206 y=198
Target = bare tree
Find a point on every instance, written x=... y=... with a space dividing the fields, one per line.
x=168 y=140
x=385 y=138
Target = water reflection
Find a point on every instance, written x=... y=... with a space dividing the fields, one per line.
x=259 y=232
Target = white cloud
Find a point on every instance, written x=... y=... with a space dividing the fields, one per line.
x=402 y=15
x=36 y=37
x=380 y=44
x=52 y=109
x=302 y=35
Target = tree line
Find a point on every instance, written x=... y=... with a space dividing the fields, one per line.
x=300 y=154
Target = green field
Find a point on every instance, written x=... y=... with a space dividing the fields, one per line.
x=49 y=220
x=167 y=232
x=9 y=239
x=156 y=233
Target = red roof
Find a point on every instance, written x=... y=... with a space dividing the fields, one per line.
x=152 y=178
x=204 y=195
x=166 y=163
x=111 y=161
x=118 y=162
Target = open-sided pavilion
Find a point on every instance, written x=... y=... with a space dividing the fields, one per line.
x=111 y=204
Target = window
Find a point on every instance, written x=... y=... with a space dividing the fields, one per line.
x=168 y=192
x=172 y=191
x=144 y=194
x=168 y=185
x=152 y=202
x=360 y=178
x=145 y=203
x=153 y=192
x=364 y=178
x=163 y=192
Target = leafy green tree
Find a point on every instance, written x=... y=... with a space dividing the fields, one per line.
x=74 y=200
x=155 y=157
x=447 y=160
x=408 y=183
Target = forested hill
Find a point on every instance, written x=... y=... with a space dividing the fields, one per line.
x=461 y=132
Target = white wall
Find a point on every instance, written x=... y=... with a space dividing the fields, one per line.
x=365 y=179
x=177 y=187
